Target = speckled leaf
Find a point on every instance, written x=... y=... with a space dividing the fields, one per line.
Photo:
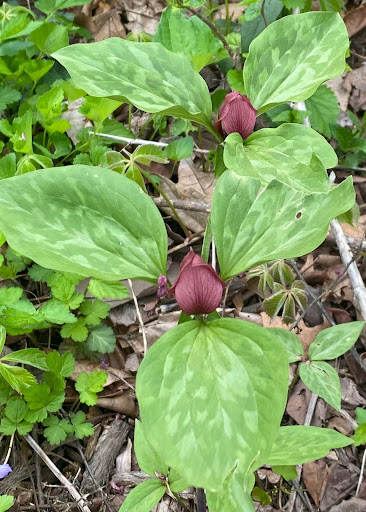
x=335 y=341
x=145 y=74
x=280 y=222
x=225 y=380
x=293 y=56
x=293 y=154
x=291 y=341
x=144 y=496
x=87 y=220
x=299 y=444
x=322 y=379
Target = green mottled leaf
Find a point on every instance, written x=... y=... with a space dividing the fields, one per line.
x=322 y=379
x=283 y=154
x=188 y=375
x=235 y=494
x=335 y=341
x=323 y=109
x=144 y=496
x=251 y=28
x=148 y=459
x=291 y=342
x=114 y=231
x=188 y=36
x=293 y=56
x=280 y=222
x=144 y=74
x=299 y=444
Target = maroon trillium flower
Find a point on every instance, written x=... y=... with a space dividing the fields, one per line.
x=198 y=289
x=236 y=114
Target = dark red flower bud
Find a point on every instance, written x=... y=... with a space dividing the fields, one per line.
x=236 y=114
x=198 y=289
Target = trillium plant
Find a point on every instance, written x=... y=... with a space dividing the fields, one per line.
x=212 y=390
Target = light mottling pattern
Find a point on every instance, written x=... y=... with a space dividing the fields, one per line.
x=83 y=219
x=292 y=153
x=280 y=222
x=293 y=56
x=188 y=36
x=144 y=74
x=223 y=384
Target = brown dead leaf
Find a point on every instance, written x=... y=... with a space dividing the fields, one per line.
x=297 y=406
x=123 y=461
x=352 y=505
x=102 y=19
x=351 y=398
x=193 y=185
x=132 y=362
x=122 y=403
x=315 y=475
x=355 y=20
x=340 y=482
x=143 y=15
x=357 y=80
x=75 y=118
x=342 y=89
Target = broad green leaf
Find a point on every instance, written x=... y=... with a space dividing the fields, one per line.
x=290 y=68
x=179 y=149
x=188 y=36
x=2 y=337
x=6 y=502
x=323 y=109
x=235 y=494
x=335 y=341
x=94 y=223
x=101 y=339
x=291 y=342
x=7 y=166
x=144 y=74
x=32 y=356
x=360 y=435
x=18 y=378
x=36 y=69
x=250 y=29
x=101 y=289
x=148 y=459
x=299 y=444
x=148 y=153
x=331 y=5
x=50 y=37
x=360 y=415
x=292 y=153
x=280 y=222
x=144 y=496
x=183 y=386
x=98 y=109
x=286 y=471
x=322 y=379
x=8 y=95
x=262 y=496
x=49 y=6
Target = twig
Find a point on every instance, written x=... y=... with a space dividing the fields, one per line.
x=353 y=272
x=81 y=503
x=139 y=317
x=361 y=474
x=215 y=30
x=9 y=449
x=181 y=204
x=187 y=241
x=142 y=141
x=201 y=500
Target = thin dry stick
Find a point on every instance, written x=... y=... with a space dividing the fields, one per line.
x=353 y=272
x=139 y=317
x=182 y=204
x=141 y=141
x=80 y=501
x=361 y=474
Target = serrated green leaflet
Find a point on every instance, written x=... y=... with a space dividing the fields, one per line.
x=293 y=56
x=322 y=379
x=144 y=74
x=31 y=356
x=2 y=337
x=93 y=223
x=223 y=380
x=291 y=342
x=299 y=444
x=144 y=496
x=285 y=153
x=188 y=36
x=280 y=222
x=101 y=339
x=335 y=341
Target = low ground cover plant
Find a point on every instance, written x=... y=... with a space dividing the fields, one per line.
x=212 y=390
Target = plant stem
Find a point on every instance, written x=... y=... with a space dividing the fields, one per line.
x=162 y=193
x=9 y=450
x=263 y=14
x=227 y=14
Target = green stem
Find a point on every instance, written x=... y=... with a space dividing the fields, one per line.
x=227 y=14
x=210 y=4
x=162 y=193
